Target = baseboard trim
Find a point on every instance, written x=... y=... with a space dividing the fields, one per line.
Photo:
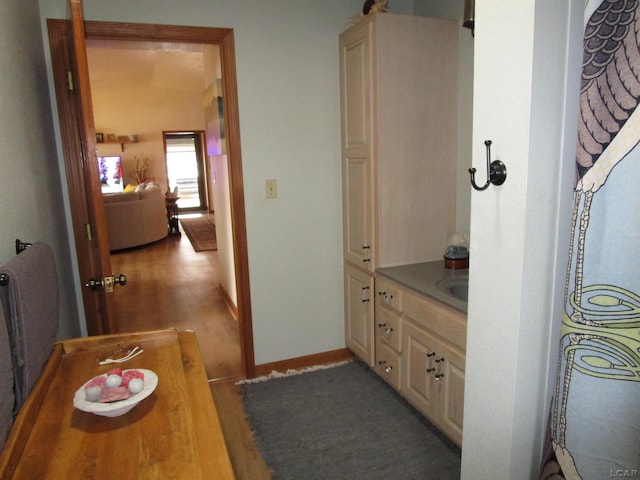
x=332 y=356
x=233 y=309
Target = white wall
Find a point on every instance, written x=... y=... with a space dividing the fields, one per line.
x=219 y=167
x=219 y=191
x=30 y=192
x=522 y=77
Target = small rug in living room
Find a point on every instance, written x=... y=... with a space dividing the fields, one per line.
x=201 y=232
x=344 y=423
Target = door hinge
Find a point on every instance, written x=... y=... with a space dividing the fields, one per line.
x=70 y=81
x=87 y=227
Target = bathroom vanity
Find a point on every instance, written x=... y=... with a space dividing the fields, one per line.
x=420 y=339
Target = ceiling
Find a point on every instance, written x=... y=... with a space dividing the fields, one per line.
x=126 y=64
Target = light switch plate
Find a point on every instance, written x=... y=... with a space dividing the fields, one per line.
x=271 y=187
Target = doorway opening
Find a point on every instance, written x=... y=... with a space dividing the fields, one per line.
x=60 y=37
x=184 y=161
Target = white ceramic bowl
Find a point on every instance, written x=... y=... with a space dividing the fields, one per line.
x=115 y=409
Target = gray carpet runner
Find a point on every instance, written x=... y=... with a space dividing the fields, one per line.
x=344 y=423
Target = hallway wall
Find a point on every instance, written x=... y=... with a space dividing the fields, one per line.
x=30 y=186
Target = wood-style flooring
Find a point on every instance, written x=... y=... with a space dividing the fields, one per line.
x=171 y=285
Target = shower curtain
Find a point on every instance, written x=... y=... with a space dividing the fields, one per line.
x=594 y=421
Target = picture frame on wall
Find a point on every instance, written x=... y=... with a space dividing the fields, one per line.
x=111 y=137
x=99 y=137
x=214 y=120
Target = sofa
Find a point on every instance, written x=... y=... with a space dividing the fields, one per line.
x=135 y=218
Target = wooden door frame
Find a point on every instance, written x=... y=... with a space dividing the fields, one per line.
x=224 y=38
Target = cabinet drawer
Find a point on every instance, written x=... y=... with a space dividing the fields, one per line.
x=389 y=328
x=388 y=365
x=444 y=321
x=388 y=295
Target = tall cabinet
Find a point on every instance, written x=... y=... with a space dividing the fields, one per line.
x=398 y=99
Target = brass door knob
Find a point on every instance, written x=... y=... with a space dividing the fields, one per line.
x=107 y=282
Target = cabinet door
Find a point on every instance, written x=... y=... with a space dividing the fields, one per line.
x=419 y=384
x=356 y=141
x=356 y=90
x=359 y=314
x=358 y=212
x=452 y=391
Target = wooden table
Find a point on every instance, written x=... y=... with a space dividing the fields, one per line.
x=174 y=433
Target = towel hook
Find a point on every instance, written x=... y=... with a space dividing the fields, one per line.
x=496 y=171
x=21 y=246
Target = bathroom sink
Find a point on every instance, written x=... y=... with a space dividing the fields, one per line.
x=456 y=287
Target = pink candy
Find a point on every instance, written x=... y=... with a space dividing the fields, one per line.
x=130 y=374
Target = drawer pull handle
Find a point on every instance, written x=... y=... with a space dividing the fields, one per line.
x=438 y=376
x=386 y=296
x=441 y=359
x=431 y=354
x=431 y=369
x=388 y=368
x=387 y=330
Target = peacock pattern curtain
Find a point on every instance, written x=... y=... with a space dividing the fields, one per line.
x=594 y=423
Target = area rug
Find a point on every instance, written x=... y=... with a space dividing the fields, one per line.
x=201 y=232
x=344 y=423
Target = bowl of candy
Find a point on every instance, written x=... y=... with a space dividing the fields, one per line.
x=115 y=392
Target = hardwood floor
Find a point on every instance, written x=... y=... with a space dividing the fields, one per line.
x=171 y=285
x=247 y=461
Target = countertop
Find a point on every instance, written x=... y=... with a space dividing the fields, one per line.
x=423 y=278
